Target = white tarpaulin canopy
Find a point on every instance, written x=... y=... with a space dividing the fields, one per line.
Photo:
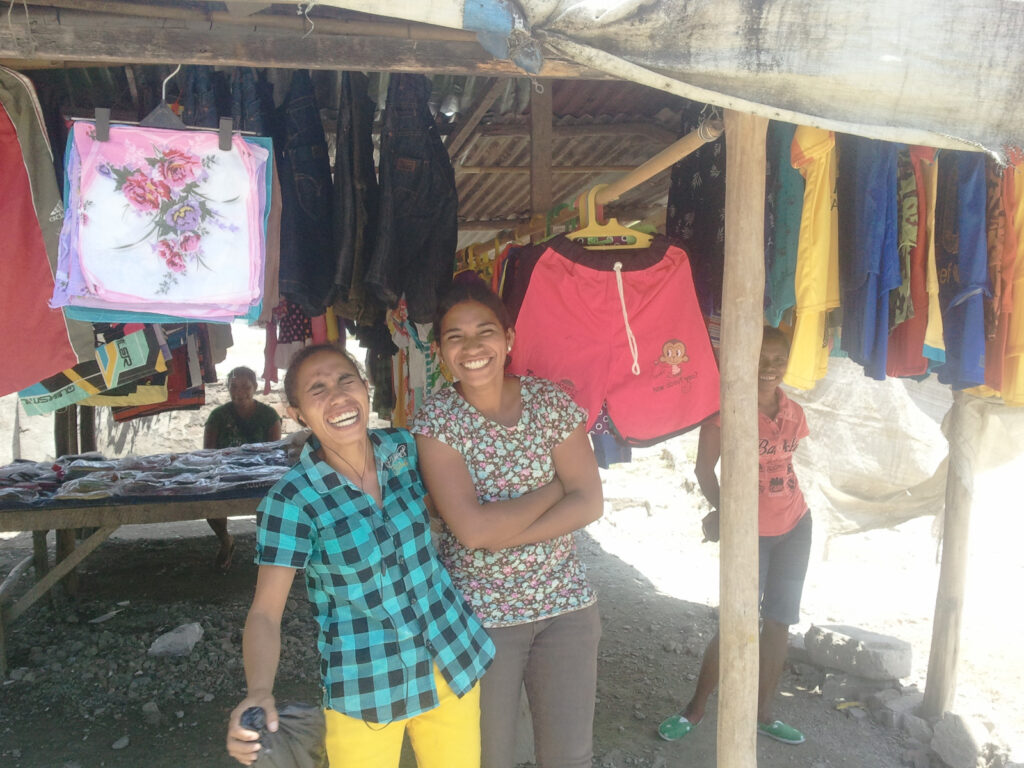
x=941 y=73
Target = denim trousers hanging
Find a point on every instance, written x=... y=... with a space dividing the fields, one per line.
x=356 y=199
x=308 y=260
x=418 y=227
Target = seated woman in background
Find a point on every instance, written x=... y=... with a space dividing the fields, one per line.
x=244 y=420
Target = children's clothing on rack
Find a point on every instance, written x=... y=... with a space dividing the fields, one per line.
x=163 y=221
x=962 y=260
x=30 y=220
x=906 y=342
x=696 y=212
x=817 y=269
x=787 y=194
x=868 y=255
x=621 y=327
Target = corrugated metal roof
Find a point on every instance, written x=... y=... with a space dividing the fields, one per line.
x=644 y=122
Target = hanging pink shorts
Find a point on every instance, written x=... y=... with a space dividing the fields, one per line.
x=633 y=338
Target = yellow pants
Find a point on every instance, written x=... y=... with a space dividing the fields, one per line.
x=447 y=736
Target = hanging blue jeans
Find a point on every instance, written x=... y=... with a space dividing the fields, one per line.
x=251 y=100
x=308 y=260
x=418 y=227
x=356 y=195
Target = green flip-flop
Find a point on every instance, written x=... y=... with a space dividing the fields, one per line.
x=676 y=727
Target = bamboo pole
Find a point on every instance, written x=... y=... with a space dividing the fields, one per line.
x=940 y=686
x=668 y=157
x=742 y=302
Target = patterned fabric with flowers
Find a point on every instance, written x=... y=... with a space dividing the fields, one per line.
x=519 y=584
x=162 y=218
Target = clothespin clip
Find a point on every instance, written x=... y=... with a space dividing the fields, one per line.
x=224 y=134
x=102 y=123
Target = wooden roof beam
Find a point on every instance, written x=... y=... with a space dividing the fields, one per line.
x=151 y=44
x=464 y=131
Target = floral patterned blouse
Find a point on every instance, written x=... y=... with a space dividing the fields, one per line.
x=518 y=584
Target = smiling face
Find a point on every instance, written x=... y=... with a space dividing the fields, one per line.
x=473 y=343
x=674 y=353
x=772 y=365
x=242 y=391
x=331 y=398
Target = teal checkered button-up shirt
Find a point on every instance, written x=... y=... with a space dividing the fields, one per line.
x=386 y=607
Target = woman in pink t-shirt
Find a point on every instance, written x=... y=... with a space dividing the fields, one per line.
x=784 y=528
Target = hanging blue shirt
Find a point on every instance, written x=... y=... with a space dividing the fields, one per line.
x=868 y=255
x=961 y=258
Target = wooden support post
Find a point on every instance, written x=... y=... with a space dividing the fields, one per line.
x=742 y=302
x=65 y=547
x=40 y=588
x=940 y=686
x=65 y=427
x=86 y=428
x=541 y=191
x=40 y=555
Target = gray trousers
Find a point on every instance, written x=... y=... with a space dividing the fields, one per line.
x=557 y=659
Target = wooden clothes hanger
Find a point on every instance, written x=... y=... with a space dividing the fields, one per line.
x=609 y=236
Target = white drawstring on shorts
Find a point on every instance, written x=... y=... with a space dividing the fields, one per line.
x=625 y=318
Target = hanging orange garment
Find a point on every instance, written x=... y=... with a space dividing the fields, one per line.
x=813 y=153
x=1013 y=359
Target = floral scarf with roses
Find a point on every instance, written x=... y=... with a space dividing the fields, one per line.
x=164 y=221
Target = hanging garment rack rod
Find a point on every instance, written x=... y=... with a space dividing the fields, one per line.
x=707 y=131
x=672 y=154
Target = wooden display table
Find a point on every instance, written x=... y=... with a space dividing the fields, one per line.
x=106 y=518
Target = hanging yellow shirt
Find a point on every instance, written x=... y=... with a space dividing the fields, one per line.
x=934 y=343
x=813 y=153
x=1013 y=361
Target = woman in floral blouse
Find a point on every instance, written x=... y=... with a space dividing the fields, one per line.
x=510 y=469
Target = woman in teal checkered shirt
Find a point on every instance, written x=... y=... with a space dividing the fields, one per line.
x=401 y=651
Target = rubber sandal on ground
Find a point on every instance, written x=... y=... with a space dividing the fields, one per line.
x=676 y=727
x=779 y=731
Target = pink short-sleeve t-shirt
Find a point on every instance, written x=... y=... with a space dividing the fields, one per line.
x=780 y=502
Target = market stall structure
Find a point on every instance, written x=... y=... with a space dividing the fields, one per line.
x=821 y=64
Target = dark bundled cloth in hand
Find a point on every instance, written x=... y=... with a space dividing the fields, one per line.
x=298 y=742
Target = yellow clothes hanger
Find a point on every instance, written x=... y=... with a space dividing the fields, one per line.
x=609 y=236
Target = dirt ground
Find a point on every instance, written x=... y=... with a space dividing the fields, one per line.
x=83 y=686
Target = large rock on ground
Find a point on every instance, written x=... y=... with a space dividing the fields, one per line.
x=842 y=686
x=863 y=653
x=178 y=642
x=958 y=741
